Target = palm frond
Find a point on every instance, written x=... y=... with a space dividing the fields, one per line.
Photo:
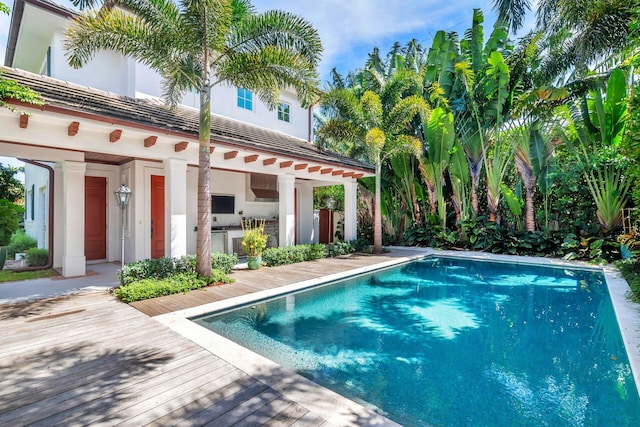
x=512 y=11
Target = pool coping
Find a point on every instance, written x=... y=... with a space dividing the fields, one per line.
x=336 y=408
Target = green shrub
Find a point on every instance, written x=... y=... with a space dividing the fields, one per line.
x=37 y=257
x=341 y=248
x=273 y=257
x=316 y=251
x=222 y=262
x=181 y=282
x=630 y=270
x=20 y=242
x=10 y=216
x=292 y=254
x=157 y=268
x=477 y=234
x=161 y=268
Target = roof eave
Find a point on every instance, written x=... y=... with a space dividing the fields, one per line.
x=16 y=22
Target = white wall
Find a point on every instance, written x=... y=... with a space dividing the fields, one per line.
x=107 y=71
x=37 y=180
x=224 y=102
x=234 y=183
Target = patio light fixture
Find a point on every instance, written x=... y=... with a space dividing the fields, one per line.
x=123 y=194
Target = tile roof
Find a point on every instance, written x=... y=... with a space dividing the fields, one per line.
x=155 y=113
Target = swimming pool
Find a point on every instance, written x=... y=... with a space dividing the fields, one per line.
x=446 y=341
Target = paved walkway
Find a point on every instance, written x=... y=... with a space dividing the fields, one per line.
x=99 y=277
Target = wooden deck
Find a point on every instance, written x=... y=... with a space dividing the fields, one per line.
x=248 y=281
x=91 y=360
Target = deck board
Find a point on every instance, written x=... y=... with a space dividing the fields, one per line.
x=91 y=360
x=250 y=281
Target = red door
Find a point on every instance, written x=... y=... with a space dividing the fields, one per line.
x=95 y=218
x=157 y=216
x=324 y=229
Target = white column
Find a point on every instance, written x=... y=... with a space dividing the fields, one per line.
x=175 y=193
x=58 y=215
x=305 y=213
x=286 y=190
x=350 y=210
x=73 y=259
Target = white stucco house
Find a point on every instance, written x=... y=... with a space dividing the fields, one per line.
x=103 y=126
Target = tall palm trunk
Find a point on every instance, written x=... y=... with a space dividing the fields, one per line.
x=525 y=169
x=377 y=212
x=475 y=168
x=530 y=219
x=203 y=257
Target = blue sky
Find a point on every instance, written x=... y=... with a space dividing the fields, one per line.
x=350 y=29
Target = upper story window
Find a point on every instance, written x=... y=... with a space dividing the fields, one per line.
x=284 y=112
x=245 y=99
x=46 y=66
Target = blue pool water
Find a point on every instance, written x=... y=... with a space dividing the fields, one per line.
x=453 y=342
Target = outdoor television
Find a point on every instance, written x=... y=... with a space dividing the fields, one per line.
x=222 y=204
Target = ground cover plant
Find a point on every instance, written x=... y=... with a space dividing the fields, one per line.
x=630 y=270
x=172 y=284
x=152 y=278
x=15 y=276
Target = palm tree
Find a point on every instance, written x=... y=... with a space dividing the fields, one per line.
x=486 y=93
x=367 y=128
x=195 y=45
x=578 y=33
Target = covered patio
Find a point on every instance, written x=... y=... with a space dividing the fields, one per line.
x=93 y=141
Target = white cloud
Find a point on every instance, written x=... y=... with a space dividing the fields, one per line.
x=351 y=28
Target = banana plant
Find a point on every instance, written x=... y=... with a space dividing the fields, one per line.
x=599 y=128
x=439 y=137
x=532 y=156
x=459 y=178
x=495 y=169
x=486 y=93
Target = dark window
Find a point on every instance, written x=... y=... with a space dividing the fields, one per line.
x=223 y=204
x=284 y=112
x=32 y=198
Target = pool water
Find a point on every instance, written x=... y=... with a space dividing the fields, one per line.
x=454 y=342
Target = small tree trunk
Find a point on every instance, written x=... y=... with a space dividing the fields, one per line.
x=377 y=213
x=530 y=214
x=433 y=198
x=492 y=207
x=475 y=167
x=203 y=249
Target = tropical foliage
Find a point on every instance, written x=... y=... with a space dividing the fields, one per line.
x=11 y=188
x=527 y=147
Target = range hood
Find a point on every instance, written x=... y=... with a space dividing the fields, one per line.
x=264 y=187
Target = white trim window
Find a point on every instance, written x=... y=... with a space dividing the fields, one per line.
x=245 y=99
x=284 y=112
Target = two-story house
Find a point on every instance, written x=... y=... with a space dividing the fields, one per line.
x=103 y=126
